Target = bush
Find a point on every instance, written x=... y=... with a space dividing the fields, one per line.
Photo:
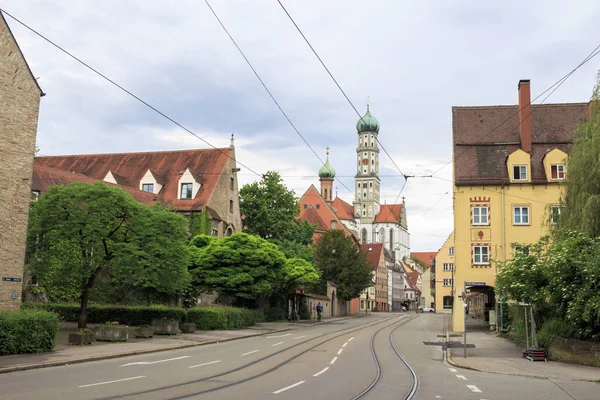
x=555 y=329
x=211 y=318
x=275 y=314
x=27 y=331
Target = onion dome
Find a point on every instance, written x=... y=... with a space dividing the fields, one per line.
x=327 y=170
x=367 y=123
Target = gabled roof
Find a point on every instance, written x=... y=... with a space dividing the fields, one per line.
x=312 y=217
x=158 y=178
x=412 y=276
x=483 y=137
x=315 y=210
x=206 y=166
x=343 y=210
x=428 y=257
x=44 y=177
x=3 y=22
x=374 y=255
x=389 y=213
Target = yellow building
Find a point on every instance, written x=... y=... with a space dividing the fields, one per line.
x=509 y=165
x=444 y=277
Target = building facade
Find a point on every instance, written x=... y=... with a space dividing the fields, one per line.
x=444 y=277
x=19 y=108
x=377 y=261
x=509 y=168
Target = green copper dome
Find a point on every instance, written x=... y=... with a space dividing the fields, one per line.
x=368 y=123
x=327 y=170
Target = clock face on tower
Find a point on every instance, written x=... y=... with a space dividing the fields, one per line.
x=365 y=161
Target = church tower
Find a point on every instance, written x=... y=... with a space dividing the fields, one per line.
x=326 y=176
x=367 y=182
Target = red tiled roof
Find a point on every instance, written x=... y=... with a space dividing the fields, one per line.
x=206 y=164
x=373 y=256
x=426 y=256
x=343 y=210
x=389 y=213
x=44 y=177
x=312 y=216
x=483 y=137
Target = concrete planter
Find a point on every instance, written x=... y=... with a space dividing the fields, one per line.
x=78 y=339
x=107 y=333
x=165 y=327
x=188 y=327
x=144 y=332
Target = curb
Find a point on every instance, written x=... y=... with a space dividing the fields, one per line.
x=25 y=367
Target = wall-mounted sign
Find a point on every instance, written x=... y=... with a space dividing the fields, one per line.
x=8 y=279
x=475 y=284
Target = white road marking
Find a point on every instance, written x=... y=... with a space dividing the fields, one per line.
x=351 y=339
x=320 y=372
x=345 y=344
x=461 y=377
x=299 y=337
x=250 y=352
x=438 y=397
x=277 y=344
x=340 y=351
x=333 y=361
x=271 y=337
x=106 y=383
x=154 y=362
x=289 y=387
x=474 y=389
x=208 y=363
x=452 y=369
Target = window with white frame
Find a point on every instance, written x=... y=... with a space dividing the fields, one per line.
x=521 y=215
x=557 y=171
x=448 y=266
x=480 y=215
x=520 y=172
x=186 y=191
x=555 y=214
x=448 y=282
x=481 y=255
x=148 y=187
x=451 y=251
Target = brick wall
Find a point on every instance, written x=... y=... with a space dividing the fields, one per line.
x=19 y=106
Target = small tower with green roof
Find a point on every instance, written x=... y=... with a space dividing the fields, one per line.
x=326 y=177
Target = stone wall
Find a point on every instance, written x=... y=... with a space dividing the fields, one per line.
x=19 y=107
x=223 y=194
x=575 y=352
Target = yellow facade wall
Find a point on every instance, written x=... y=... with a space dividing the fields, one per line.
x=444 y=256
x=500 y=233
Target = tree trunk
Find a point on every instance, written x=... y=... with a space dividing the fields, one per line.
x=82 y=320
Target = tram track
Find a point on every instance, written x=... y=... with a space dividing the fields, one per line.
x=223 y=375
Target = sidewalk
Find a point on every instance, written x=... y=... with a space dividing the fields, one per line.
x=64 y=354
x=495 y=354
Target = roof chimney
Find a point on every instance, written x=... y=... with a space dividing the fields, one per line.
x=525 y=115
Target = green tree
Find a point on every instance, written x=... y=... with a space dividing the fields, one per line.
x=271 y=211
x=340 y=261
x=241 y=267
x=200 y=223
x=420 y=262
x=78 y=232
x=581 y=201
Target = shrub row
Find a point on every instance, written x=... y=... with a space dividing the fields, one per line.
x=204 y=318
x=27 y=331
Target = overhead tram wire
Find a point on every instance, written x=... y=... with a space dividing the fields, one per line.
x=552 y=89
x=136 y=97
x=268 y=91
x=338 y=85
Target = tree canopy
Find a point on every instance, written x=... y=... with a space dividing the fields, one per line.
x=242 y=267
x=340 y=261
x=78 y=232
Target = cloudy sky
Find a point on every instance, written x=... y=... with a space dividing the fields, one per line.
x=415 y=59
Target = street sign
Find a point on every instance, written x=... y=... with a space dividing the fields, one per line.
x=475 y=284
x=8 y=279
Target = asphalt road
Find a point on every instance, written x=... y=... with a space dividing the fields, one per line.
x=328 y=361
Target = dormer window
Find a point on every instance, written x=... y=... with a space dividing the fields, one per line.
x=148 y=187
x=520 y=172
x=557 y=171
x=186 y=191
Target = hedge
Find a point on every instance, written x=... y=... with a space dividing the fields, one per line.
x=209 y=318
x=27 y=331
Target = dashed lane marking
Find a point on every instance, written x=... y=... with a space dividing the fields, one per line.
x=474 y=389
x=289 y=387
x=345 y=344
x=278 y=336
x=351 y=339
x=340 y=351
x=299 y=337
x=277 y=344
x=461 y=377
x=154 y=362
x=333 y=361
x=202 y=365
x=115 y=381
x=452 y=369
x=321 y=371
x=250 y=352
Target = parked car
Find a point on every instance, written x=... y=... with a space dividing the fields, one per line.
x=426 y=309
